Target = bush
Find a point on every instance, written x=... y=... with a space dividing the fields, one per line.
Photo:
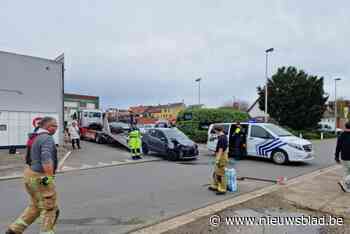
x=195 y=128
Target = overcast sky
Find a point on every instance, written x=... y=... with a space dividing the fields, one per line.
x=150 y=52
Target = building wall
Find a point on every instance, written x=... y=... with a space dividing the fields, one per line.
x=73 y=103
x=40 y=82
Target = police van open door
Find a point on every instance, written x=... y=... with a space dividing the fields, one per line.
x=213 y=138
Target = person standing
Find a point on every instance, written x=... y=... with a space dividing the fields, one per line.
x=74 y=134
x=343 y=149
x=39 y=180
x=219 y=181
x=135 y=143
x=237 y=142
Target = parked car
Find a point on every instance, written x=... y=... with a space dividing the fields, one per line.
x=266 y=140
x=170 y=143
x=143 y=128
x=119 y=127
x=325 y=127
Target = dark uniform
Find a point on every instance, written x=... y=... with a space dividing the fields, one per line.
x=219 y=181
x=238 y=138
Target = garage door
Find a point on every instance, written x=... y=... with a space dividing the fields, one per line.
x=4 y=136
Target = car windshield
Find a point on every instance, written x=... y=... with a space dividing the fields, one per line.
x=278 y=130
x=119 y=125
x=176 y=134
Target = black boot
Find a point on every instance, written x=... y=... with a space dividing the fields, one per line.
x=9 y=231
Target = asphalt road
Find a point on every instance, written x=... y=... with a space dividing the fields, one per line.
x=119 y=199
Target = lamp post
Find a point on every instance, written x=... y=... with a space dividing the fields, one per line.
x=199 y=90
x=267 y=79
x=335 y=103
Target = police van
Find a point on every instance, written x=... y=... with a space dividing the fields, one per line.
x=265 y=140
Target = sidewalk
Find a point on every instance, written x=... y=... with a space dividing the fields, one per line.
x=13 y=164
x=316 y=194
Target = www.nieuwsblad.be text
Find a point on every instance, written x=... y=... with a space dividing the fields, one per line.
x=303 y=220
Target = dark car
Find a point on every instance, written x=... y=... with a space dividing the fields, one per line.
x=119 y=127
x=170 y=143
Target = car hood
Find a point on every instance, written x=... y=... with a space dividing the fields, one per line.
x=295 y=140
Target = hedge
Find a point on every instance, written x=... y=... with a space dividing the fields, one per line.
x=203 y=117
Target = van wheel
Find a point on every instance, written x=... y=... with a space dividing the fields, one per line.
x=99 y=139
x=279 y=157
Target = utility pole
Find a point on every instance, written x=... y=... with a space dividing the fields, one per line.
x=267 y=81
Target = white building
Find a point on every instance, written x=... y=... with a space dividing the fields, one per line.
x=30 y=87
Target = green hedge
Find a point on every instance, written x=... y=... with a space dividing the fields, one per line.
x=312 y=134
x=204 y=117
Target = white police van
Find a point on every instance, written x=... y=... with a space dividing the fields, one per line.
x=265 y=140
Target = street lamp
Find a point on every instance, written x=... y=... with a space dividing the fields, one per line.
x=267 y=79
x=199 y=90
x=335 y=103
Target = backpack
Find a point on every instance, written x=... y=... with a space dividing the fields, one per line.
x=30 y=142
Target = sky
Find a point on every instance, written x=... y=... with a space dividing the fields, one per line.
x=150 y=52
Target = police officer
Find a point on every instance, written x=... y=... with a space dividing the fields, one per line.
x=219 y=181
x=237 y=142
x=135 y=143
x=39 y=177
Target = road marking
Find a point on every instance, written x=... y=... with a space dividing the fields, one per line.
x=60 y=164
x=103 y=164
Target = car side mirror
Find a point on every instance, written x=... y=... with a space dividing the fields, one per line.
x=163 y=139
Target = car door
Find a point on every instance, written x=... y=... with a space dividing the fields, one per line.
x=213 y=138
x=259 y=141
x=152 y=140
x=162 y=142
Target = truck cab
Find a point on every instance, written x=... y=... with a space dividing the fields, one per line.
x=265 y=140
x=88 y=118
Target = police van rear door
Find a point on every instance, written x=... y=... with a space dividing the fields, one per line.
x=213 y=138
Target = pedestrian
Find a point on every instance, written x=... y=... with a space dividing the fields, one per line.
x=74 y=134
x=135 y=143
x=343 y=149
x=219 y=184
x=39 y=180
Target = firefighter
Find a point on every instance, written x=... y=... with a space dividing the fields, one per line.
x=39 y=180
x=219 y=184
x=135 y=143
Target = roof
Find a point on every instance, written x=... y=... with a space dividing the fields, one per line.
x=29 y=56
x=252 y=106
x=79 y=96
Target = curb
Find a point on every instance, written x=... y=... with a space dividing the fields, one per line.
x=196 y=214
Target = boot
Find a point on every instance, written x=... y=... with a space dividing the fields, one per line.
x=9 y=231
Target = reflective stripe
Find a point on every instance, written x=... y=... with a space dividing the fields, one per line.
x=20 y=221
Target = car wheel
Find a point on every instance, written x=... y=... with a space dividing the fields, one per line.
x=172 y=156
x=279 y=157
x=98 y=139
x=145 y=149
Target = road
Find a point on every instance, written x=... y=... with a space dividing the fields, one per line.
x=119 y=199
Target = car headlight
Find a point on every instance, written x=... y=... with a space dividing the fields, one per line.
x=295 y=146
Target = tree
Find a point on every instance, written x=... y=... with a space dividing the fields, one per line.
x=295 y=98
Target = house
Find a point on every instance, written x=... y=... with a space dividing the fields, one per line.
x=75 y=102
x=170 y=111
x=255 y=112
